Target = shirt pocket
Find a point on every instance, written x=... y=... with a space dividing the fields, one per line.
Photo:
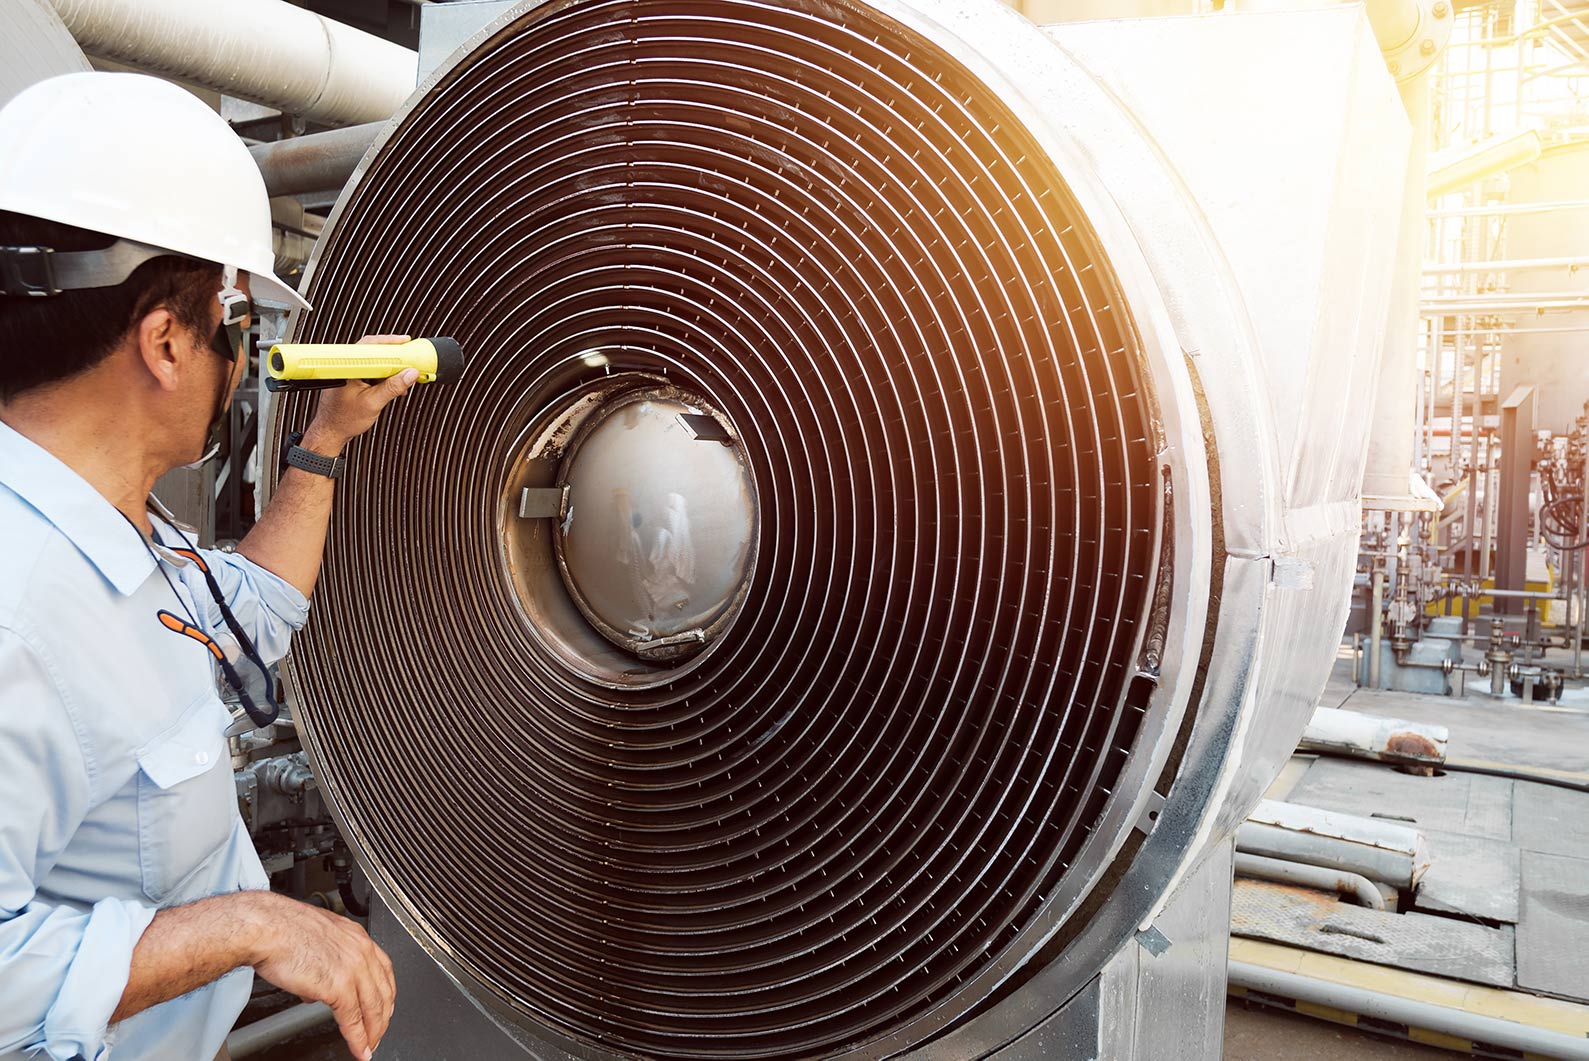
x=186 y=798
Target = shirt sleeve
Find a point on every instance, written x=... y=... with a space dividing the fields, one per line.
x=62 y=969
x=268 y=608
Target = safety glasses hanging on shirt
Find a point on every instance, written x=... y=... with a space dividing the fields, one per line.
x=260 y=716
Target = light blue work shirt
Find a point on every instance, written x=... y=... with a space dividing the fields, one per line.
x=116 y=791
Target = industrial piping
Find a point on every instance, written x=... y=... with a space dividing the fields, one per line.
x=1331 y=880
x=1528 y=1039
x=267 y=51
x=315 y=163
x=267 y=1032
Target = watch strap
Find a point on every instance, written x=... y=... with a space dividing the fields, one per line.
x=308 y=460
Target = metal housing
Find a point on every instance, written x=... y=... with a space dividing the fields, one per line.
x=1225 y=292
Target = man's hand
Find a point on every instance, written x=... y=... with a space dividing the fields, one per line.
x=322 y=957
x=350 y=410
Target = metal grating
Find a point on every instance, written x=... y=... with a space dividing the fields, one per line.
x=864 y=793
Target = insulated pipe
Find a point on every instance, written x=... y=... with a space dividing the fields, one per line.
x=1502 y=265
x=1399 y=869
x=263 y=1034
x=1454 y=171
x=319 y=162
x=1337 y=732
x=267 y=51
x=1329 y=880
x=33 y=46
x=1390 y=439
x=1524 y=1038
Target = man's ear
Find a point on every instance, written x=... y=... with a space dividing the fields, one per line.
x=155 y=336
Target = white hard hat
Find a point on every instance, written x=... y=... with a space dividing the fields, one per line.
x=136 y=157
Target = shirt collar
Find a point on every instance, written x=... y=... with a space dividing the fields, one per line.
x=77 y=510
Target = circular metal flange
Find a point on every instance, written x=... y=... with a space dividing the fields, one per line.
x=658 y=537
x=615 y=512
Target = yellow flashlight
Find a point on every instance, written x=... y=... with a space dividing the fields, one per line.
x=314 y=366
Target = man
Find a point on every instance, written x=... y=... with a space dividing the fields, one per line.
x=133 y=908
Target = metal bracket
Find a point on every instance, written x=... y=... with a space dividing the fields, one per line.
x=706 y=428
x=1149 y=818
x=1153 y=941
x=548 y=502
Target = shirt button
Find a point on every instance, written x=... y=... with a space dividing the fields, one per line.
x=202 y=758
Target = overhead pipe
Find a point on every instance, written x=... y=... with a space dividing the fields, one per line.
x=1454 y=170
x=1501 y=265
x=1259 y=867
x=1529 y=1040
x=318 y=162
x=265 y=51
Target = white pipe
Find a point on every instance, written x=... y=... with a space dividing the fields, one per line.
x=263 y=1034
x=1391 y=852
x=1524 y=1038
x=267 y=51
x=1262 y=867
x=1338 y=732
x=1501 y=265
x=1460 y=304
x=1501 y=209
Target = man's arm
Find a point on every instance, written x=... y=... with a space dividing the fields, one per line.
x=290 y=536
x=315 y=954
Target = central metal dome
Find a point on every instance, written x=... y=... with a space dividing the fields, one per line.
x=656 y=540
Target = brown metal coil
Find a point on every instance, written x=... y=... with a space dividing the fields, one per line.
x=873 y=784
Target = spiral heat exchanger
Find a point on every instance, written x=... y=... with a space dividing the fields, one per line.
x=780 y=642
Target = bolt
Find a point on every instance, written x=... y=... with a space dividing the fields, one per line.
x=1426 y=48
x=1395 y=67
x=1440 y=10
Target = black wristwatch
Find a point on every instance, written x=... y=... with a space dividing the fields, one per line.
x=296 y=456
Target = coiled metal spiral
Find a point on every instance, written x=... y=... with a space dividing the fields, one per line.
x=809 y=221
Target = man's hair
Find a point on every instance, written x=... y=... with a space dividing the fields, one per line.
x=46 y=340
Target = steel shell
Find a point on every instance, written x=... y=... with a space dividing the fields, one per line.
x=1048 y=570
